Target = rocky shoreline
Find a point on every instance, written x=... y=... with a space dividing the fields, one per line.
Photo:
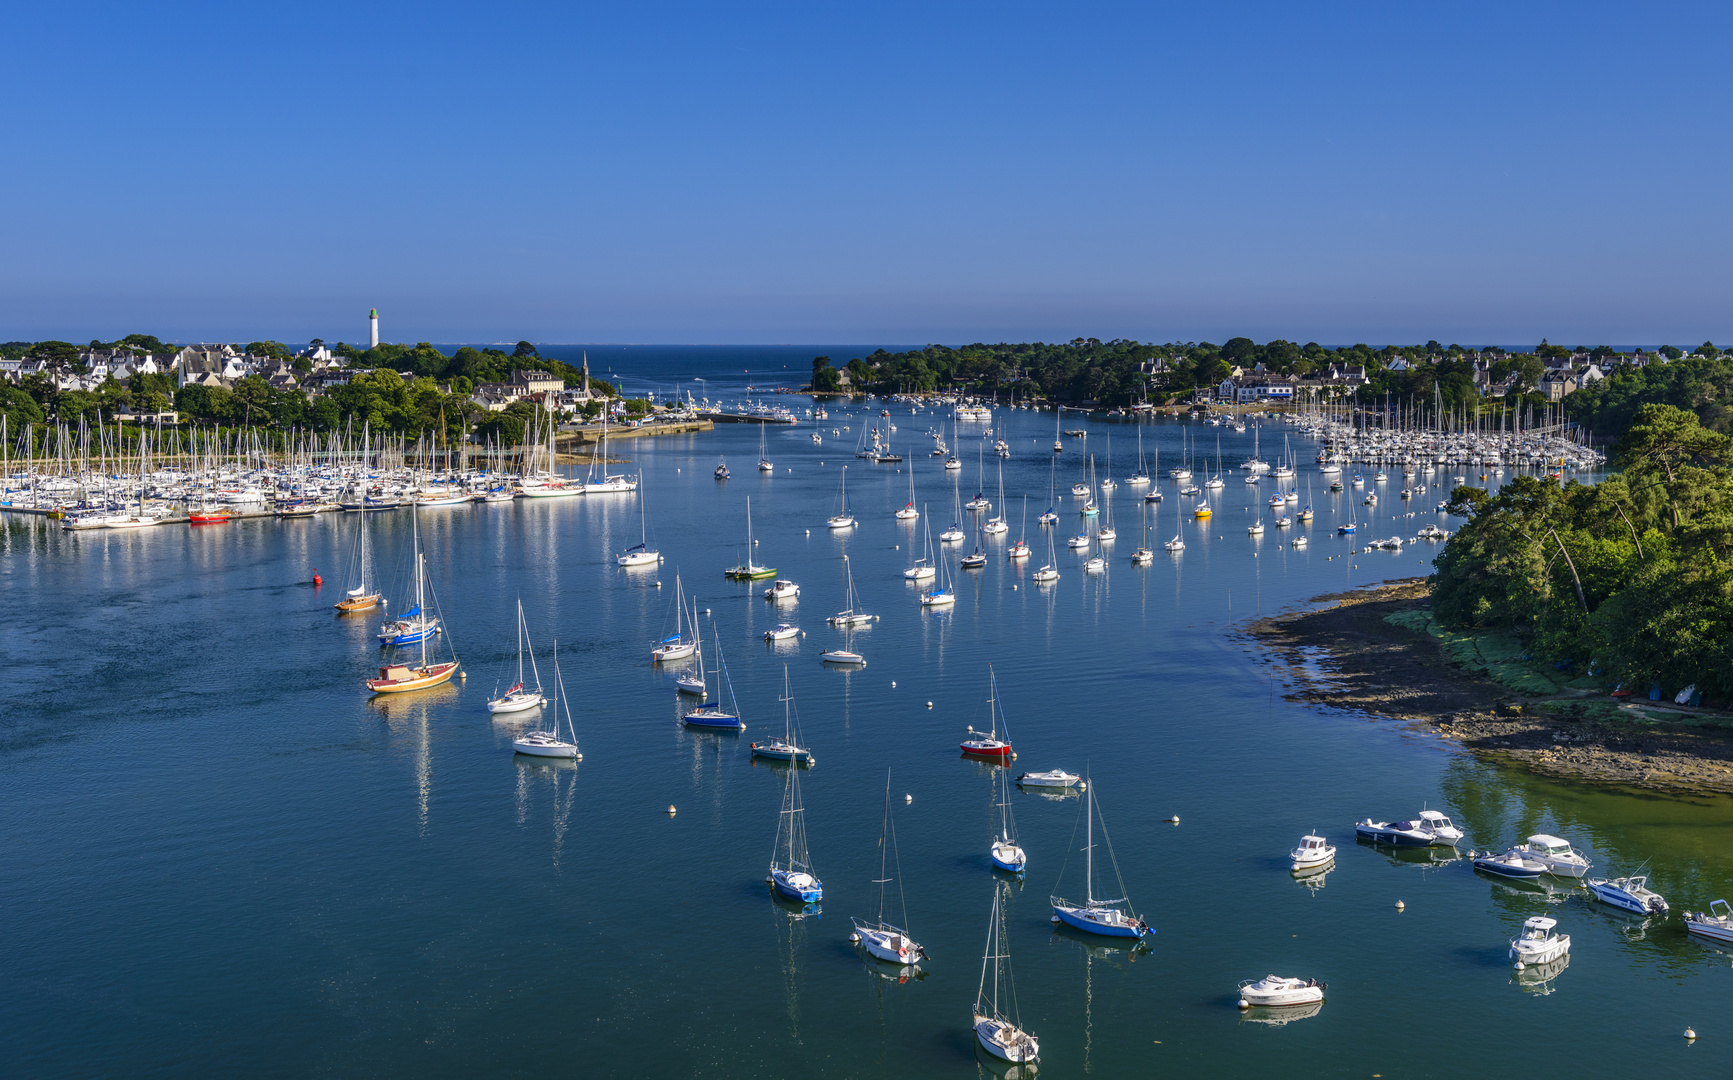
x=1342 y=652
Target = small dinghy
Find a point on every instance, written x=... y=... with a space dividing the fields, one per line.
x=1051 y=778
x=1514 y=863
x=1715 y=924
x=1313 y=852
x=1273 y=991
x=1560 y=858
x=1538 y=944
x=1631 y=894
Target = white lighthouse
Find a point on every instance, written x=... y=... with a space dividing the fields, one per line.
x=373 y=328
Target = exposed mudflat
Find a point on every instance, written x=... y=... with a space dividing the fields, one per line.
x=1342 y=652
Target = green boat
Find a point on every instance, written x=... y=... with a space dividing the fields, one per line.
x=749 y=570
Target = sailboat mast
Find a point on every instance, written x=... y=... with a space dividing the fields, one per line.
x=420 y=573
x=1089 y=852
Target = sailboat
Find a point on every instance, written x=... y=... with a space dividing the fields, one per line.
x=711 y=716
x=788 y=747
x=1107 y=481
x=988 y=743
x=548 y=743
x=922 y=568
x=1105 y=531
x=842 y=519
x=790 y=863
x=996 y=524
x=365 y=593
x=1020 y=550
x=851 y=614
x=678 y=645
x=1004 y=851
x=980 y=501
x=1049 y=572
x=401 y=678
x=608 y=482
x=747 y=570
x=880 y=938
x=943 y=591
x=415 y=625
x=1058 y=446
x=1051 y=517
x=955 y=533
x=1141 y=476
x=999 y=1035
x=845 y=655
x=520 y=697
x=1095 y=915
x=1145 y=554
x=764 y=464
x=694 y=685
x=639 y=554
x=909 y=513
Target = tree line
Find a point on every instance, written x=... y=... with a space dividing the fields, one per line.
x=1630 y=579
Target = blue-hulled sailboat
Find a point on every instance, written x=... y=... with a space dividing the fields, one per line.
x=790 y=864
x=1094 y=915
x=711 y=716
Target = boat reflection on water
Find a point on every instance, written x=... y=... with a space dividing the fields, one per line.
x=395 y=709
x=890 y=972
x=1519 y=892
x=1537 y=978
x=1430 y=857
x=1099 y=947
x=1312 y=877
x=1272 y=1016
x=992 y=1066
x=794 y=909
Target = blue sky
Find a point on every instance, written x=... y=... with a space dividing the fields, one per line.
x=885 y=172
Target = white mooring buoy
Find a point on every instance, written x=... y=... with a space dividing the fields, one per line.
x=670 y=809
x=1400 y=906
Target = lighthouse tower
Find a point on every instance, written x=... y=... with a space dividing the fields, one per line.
x=373 y=328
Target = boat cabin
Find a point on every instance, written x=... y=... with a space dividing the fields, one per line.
x=1435 y=819
x=1542 y=844
x=395 y=673
x=1539 y=928
x=1313 y=843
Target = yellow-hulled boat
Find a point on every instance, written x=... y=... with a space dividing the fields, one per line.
x=401 y=678
x=1202 y=511
x=358 y=603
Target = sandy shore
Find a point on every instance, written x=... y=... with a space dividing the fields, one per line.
x=1342 y=652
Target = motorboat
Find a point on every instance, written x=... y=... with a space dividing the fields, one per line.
x=782 y=589
x=1538 y=943
x=1395 y=833
x=782 y=632
x=1275 y=991
x=1560 y=858
x=1715 y=924
x=1052 y=778
x=1313 y=852
x=1439 y=827
x=722 y=470
x=1631 y=894
x=1515 y=863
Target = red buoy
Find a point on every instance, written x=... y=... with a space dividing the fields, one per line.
x=317 y=580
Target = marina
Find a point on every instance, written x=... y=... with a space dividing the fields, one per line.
x=412 y=818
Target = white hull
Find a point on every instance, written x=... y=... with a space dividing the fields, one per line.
x=642 y=558
x=675 y=652
x=549 y=748
x=1526 y=953
x=1004 y=1041
x=513 y=703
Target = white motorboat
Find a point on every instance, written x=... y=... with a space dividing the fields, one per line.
x=1313 y=852
x=1056 y=778
x=1538 y=943
x=520 y=698
x=1274 y=991
x=1715 y=924
x=1629 y=893
x=782 y=589
x=1560 y=858
x=1514 y=863
x=782 y=632
x=1442 y=830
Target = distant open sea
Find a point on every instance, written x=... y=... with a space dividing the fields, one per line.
x=727 y=369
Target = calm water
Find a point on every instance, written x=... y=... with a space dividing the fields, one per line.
x=221 y=858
